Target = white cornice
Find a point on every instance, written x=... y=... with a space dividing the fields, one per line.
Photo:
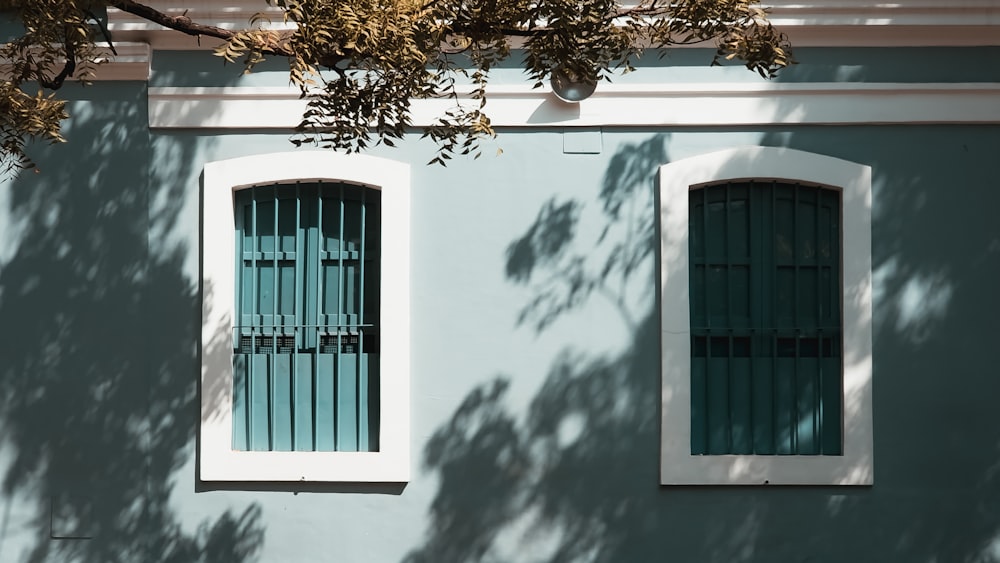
x=128 y=61
x=863 y=23
x=839 y=23
x=681 y=105
x=223 y=14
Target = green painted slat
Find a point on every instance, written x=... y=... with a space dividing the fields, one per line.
x=260 y=435
x=282 y=422
x=832 y=429
x=345 y=248
x=241 y=395
x=717 y=389
x=374 y=409
x=265 y=295
x=363 y=397
x=287 y=285
x=715 y=223
x=796 y=315
x=740 y=296
x=741 y=405
x=303 y=393
x=311 y=273
x=699 y=414
x=699 y=305
x=275 y=265
x=807 y=438
x=347 y=402
x=785 y=418
x=287 y=221
x=332 y=293
x=324 y=401
x=264 y=223
x=763 y=406
x=809 y=299
x=352 y=293
x=298 y=275
x=246 y=296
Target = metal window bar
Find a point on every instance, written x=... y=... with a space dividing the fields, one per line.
x=320 y=242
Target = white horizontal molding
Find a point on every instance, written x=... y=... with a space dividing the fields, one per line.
x=900 y=13
x=762 y=103
x=863 y=23
x=124 y=26
x=807 y=22
x=127 y=61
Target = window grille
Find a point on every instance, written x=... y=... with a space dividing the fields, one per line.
x=307 y=300
x=766 y=329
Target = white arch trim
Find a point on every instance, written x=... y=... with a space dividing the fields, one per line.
x=677 y=465
x=218 y=461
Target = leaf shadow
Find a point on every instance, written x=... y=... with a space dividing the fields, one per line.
x=100 y=400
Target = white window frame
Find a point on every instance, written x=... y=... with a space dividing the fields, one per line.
x=221 y=179
x=677 y=465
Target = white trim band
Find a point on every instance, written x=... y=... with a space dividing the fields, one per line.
x=841 y=23
x=723 y=104
x=128 y=61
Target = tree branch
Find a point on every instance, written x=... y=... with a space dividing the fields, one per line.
x=104 y=30
x=68 y=69
x=180 y=23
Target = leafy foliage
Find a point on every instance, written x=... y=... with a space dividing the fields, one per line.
x=58 y=43
x=359 y=64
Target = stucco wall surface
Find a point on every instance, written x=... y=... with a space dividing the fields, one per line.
x=535 y=356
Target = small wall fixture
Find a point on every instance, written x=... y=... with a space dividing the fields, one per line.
x=569 y=87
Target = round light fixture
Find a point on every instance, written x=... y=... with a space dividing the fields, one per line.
x=569 y=87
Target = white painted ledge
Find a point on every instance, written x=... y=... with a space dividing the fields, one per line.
x=750 y=104
x=128 y=61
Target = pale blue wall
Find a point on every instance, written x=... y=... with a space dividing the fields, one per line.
x=535 y=384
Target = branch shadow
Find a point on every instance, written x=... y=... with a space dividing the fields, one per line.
x=563 y=271
x=99 y=402
x=574 y=478
x=937 y=487
x=545 y=485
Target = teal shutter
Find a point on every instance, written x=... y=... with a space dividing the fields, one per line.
x=306 y=345
x=766 y=367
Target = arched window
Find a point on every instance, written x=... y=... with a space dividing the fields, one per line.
x=305 y=323
x=766 y=319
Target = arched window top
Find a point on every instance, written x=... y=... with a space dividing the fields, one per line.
x=763 y=163
x=305 y=166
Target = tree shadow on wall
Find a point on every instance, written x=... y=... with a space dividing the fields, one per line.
x=564 y=271
x=575 y=479
x=935 y=262
x=99 y=399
